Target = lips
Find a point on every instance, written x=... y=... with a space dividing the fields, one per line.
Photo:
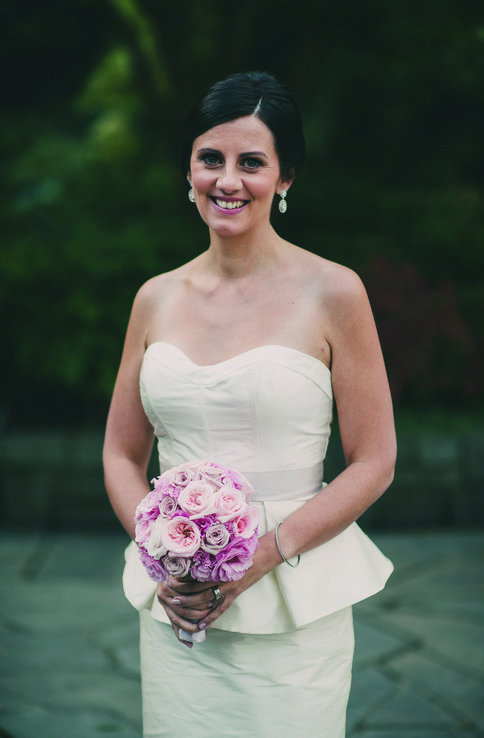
x=230 y=205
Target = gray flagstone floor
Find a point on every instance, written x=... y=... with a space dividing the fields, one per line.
x=69 y=640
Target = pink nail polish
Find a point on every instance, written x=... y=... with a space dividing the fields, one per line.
x=202 y=626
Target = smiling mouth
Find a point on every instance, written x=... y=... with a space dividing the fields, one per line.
x=229 y=204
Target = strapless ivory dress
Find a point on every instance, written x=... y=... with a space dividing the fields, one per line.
x=267 y=413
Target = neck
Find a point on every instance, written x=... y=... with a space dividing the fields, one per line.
x=245 y=255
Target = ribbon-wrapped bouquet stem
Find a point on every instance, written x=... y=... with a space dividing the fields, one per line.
x=197 y=522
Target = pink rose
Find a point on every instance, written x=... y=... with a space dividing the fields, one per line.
x=229 y=503
x=154 y=545
x=216 y=538
x=197 y=499
x=180 y=536
x=245 y=525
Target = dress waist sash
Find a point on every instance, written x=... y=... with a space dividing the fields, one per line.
x=285 y=485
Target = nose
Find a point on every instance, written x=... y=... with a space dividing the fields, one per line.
x=229 y=178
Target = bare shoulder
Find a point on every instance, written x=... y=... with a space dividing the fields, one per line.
x=152 y=291
x=150 y=302
x=343 y=292
x=336 y=285
x=156 y=291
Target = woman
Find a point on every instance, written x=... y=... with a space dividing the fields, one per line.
x=235 y=357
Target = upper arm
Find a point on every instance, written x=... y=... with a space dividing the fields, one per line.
x=129 y=434
x=360 y=382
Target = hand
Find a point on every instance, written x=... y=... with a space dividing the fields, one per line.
x=187 y=603
x=192 y=606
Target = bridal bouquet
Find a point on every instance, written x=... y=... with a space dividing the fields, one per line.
x=197 y=522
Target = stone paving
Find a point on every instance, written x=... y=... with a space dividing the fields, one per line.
x=69 y=640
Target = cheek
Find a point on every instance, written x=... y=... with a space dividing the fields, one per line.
x=263 y=187
x=202 y=181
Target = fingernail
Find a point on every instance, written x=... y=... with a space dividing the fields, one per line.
x=176 y=601
x=202 y=626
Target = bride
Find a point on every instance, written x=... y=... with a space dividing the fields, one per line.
x=236 y=357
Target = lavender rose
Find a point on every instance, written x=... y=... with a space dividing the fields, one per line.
x=213 y=474
x=180 y=476
x=216 y=537
x=176 y=566
x=167 y=507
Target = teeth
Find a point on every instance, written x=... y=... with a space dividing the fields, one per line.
x=229 y=205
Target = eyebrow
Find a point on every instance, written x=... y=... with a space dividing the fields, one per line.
x=244 y=153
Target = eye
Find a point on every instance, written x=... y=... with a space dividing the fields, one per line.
x=252 y=163
x=211 y=160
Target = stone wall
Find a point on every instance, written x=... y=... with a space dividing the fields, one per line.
x=53 y=481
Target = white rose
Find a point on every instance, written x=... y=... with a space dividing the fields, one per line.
x=154 y=544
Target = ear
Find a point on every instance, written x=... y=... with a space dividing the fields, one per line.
x=284 y=186
x=189 y=177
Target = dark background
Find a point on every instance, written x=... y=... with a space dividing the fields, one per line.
x=93 y=202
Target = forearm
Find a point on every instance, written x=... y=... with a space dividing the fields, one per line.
x=335 y=507
x=126 y=485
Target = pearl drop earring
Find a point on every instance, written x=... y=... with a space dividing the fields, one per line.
x=282 y=201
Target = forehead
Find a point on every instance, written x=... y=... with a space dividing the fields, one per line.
x=245 y=134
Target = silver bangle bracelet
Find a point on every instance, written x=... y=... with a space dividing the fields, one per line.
x=279 y=549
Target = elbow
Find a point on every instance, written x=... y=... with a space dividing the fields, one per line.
x=388 y=478
x=387 y=471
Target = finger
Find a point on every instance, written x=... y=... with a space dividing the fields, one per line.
x=188 y=611
x=215 y=613
x=168 y=597
x=192 y=587
x=190 y=626
x=194 y=616
x=164 y=592
x=203 y=599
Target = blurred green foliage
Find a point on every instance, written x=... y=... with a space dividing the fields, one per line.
x=93 y=202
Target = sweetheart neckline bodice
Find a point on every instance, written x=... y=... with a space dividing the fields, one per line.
x=242 y=356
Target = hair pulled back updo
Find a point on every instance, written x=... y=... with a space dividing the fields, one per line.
x=250 y=93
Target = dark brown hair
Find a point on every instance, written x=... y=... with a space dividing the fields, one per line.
x=250 y=93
